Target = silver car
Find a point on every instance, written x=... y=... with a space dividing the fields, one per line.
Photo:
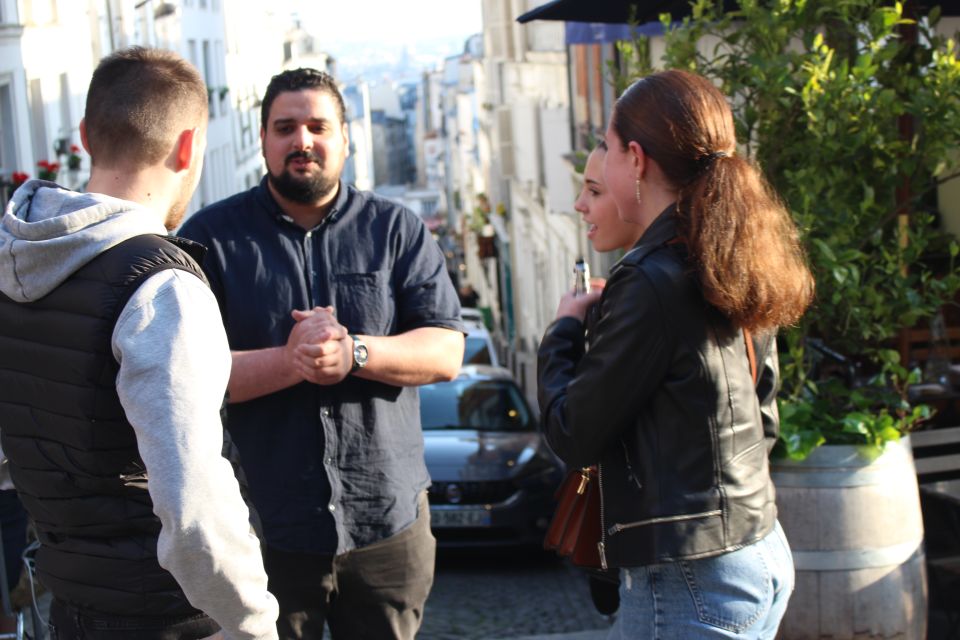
x=493 y=475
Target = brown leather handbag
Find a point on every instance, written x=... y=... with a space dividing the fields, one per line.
x=575 y=528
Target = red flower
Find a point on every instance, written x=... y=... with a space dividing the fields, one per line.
x=19 y=177
x=74 y=149
x=48 y=170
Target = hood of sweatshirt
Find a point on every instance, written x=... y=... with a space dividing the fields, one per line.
x=47 y=233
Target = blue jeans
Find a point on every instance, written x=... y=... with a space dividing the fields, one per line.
x=741 y=594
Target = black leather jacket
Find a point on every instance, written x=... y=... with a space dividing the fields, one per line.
x=665 y=403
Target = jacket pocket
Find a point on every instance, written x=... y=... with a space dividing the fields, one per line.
x=618 y=527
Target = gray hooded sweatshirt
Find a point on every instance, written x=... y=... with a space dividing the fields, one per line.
x=174 y=366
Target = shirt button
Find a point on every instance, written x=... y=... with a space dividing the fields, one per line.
x=309 y=234
x=332 y=507
x=329 y=460
x=326 y=412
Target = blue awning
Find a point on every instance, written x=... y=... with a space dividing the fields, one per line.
x=602 y=32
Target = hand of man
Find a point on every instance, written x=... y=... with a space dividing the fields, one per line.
x=313 y=326
x=321 y=348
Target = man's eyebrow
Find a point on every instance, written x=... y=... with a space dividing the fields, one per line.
x=282 y=121
x=592 y=181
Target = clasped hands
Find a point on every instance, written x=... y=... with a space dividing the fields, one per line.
x=319 y=347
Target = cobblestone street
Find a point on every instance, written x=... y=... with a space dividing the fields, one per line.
x=494 y=595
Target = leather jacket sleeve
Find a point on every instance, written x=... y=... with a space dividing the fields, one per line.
x=589 y=398
x=768 y=383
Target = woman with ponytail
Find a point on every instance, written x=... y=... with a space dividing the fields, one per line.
x=675 y=400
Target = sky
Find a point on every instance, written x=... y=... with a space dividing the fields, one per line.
x=395 y=22
x=388 y=39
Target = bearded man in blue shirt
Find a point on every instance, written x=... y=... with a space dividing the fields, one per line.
x=337 y=305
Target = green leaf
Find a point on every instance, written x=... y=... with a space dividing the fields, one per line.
x=818 y=89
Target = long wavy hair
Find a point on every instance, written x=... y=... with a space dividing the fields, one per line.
x=742 y=241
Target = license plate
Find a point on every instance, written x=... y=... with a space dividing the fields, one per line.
x=459 y=517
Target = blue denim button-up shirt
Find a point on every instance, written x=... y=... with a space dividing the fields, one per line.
x=330 y=468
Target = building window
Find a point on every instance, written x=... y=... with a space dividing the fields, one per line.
x=208 y=78
x=223 y=96
x=66 y=112
x=192 y=52
x=8 y=143
x=38 y=122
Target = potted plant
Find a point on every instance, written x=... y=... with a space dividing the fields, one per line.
x=73 y=160
x=48 y=170
x=17 y=178
x=852 y=110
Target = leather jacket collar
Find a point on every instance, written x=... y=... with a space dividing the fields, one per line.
x=662 y=230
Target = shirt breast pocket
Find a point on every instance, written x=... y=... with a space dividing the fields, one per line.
x=365 y=302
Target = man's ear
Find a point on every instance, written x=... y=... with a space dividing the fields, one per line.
x=188 y=147
x=83 y=136
x=346 y=139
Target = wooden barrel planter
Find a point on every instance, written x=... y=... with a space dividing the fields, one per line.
x=856 y=532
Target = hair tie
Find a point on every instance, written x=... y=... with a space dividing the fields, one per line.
x=705 y=161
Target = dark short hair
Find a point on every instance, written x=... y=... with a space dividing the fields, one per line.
x=300 y=80
x=138 y=101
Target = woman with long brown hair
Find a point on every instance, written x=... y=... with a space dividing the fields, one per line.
x=675 y=400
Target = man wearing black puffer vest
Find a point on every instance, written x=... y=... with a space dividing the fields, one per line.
x=113 y=368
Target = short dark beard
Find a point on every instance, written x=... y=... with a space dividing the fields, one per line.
x=305 y=190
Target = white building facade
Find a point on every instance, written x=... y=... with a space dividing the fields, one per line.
x=49 y=48
x=525 y=136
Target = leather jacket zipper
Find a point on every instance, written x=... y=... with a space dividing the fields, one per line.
x=601 y=546
x=617 y=527
x=631 y=474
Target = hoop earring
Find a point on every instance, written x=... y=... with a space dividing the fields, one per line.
x=638 y=190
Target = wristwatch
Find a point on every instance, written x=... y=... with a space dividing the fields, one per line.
x=359 y=353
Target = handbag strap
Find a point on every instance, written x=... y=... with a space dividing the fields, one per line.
x=751 y=354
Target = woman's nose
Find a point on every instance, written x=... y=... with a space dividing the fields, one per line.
x=579 y=205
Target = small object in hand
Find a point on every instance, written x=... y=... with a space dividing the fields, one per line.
x=581 y=273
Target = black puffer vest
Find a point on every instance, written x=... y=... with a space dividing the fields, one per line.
x=72 y=453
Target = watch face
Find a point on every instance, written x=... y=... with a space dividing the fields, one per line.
x=360 y=353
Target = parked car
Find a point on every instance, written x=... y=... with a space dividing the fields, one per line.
x=493 y=475
x=478 y=347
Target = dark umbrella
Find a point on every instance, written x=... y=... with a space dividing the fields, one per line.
x=611 y=11
x=618 y=11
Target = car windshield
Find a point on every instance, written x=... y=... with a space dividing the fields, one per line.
x=476 y=351
x=485 y=405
